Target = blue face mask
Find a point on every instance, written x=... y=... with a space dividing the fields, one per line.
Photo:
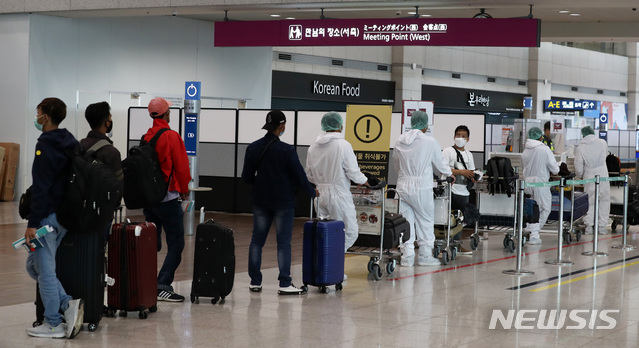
x=281 y=134
x=35 y=122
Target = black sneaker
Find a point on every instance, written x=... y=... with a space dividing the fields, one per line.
x=169 y=296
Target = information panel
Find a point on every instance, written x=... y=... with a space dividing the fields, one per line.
x=504 y=32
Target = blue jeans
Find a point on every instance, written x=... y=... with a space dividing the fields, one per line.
x=41 y=267
x=262 y=219
x=168 y=215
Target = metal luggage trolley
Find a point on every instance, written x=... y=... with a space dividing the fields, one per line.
x=370 y=206
x=498 y=208
x=569 y=229
x=445 y=219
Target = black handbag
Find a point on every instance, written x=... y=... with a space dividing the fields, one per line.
x=24 y=208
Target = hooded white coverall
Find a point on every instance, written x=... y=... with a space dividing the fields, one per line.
x=331 y=165
x=414 y=157
x=539 y=162
x=590 y=160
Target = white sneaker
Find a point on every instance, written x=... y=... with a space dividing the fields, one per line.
x=291 y=290
x=47 y=331
x=407 y=261
x=429 y=260
x=588 y=230
x=534 y=241
x=603 y=230
x=345 y=277
x=74 y=316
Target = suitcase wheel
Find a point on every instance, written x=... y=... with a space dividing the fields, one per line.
x=304 y=288
x=214 y=300
x=123 y=314
x=93 y=326
x=110 y=313
x=195 y=299
x=143 y=314
x=324 y=289
x=153 y=309
x=338 y=287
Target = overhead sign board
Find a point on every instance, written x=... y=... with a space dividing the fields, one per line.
x=569 y=105
x=495 y=32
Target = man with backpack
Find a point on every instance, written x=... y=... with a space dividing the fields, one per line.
x=168 y=214
x=99 y=117
x=462 y=165
x=49 y=166
x=590 y=158
x=538 y=162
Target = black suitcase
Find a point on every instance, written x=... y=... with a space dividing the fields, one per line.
x=80 y=265
x=214 y=262
x=395 y=227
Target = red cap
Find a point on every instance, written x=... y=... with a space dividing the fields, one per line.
x=158 y=107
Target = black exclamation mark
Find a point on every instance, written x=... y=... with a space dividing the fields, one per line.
x=368 y=127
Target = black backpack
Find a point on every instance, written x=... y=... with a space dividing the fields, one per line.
x=93 y=192
x=500 y=175
x=613 y=164
x=144 y=184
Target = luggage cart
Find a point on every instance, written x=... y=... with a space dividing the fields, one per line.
x=370 y=206
x=616 y=203
x=445 y=219
x=499 y=211
x=570 y=228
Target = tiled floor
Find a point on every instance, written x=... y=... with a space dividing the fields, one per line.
x=447 y=306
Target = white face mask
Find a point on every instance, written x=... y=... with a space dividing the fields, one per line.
x=460 y=142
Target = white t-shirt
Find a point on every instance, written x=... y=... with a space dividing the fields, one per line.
x=450 y=156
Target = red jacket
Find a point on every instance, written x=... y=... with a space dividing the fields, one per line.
x=172 y=156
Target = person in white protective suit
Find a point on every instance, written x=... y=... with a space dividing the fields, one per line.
x=331 y=165
x=539 y=162
x=590 y=160
x=414 y=157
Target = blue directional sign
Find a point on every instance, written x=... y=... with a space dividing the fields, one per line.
x=191 y=93
x=569 y=105
x=528 y=103
x=603 y=126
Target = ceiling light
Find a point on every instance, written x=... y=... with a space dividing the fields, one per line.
x=574 y=14
x=411 y=13
x=426 y=15
x=275 y=15
x=564 y=11
x=290 y=17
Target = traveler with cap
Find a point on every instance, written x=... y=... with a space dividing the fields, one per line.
x=590 y=160
x=538 y=163
x=168 y=215
x=273 y=169
x=414 y=158
x=100 y=119
x=462 y=164
x=331 y=165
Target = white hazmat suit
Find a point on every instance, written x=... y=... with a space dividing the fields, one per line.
x=539 y=162
x=590 y=160
x=331 y=165
x=414 y=157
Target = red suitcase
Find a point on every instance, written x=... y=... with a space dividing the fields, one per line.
x=133 y=265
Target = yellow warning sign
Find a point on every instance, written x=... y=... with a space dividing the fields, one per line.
x=368 y=127
x=368 y=130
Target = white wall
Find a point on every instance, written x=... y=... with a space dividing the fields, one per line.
x=83 y=61
x=14 y=70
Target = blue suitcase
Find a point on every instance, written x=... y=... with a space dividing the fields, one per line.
x=323 y=260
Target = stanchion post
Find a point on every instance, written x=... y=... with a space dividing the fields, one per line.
x=520 y=231
x=560 y=229
x=624 y=245
x=595 y=226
